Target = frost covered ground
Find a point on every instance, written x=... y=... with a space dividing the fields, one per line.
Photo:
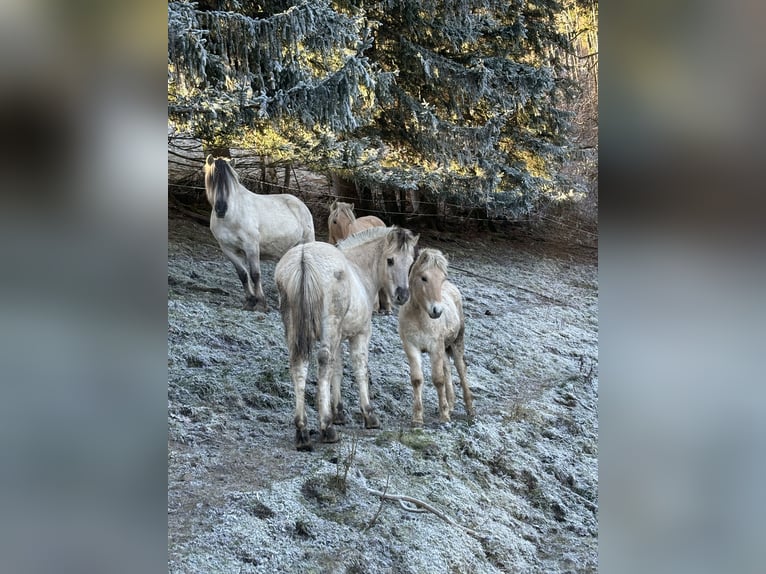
x=522 y=476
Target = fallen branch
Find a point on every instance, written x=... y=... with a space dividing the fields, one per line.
x=421 y=506
x=380 y=508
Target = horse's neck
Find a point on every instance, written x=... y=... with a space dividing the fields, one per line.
x=365 y=260
x=237 y=193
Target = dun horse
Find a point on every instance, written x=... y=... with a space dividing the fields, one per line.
x=342 y=223
x=249 y=226
x=432 y=322
x=326 y=295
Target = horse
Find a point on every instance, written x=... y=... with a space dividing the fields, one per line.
x=341 y=223
x=250 y=226
x=432 y=322
x=326 y=296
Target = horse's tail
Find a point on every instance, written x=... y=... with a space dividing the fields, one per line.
x=301 y=308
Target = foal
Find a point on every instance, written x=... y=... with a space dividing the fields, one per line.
x=432 y=322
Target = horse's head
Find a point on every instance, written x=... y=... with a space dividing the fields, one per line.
x=341 y=215
x=219 y=176
x=427 y=276
x=398 y=255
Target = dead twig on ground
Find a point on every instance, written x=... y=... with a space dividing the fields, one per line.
x=421 y=506
x=380 y=508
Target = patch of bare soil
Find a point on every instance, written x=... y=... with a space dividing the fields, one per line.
x=518 y=482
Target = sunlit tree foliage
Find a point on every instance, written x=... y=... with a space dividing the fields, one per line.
x=456 y=100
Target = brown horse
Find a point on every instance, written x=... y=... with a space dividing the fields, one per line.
x=326 y=295
x=250 y=226
x=432 y=322
x=342 y=221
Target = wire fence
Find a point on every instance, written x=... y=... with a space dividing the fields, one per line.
x=192 y=164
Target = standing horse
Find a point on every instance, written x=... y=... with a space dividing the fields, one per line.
x=249 y=226
x=432 y=322
x=326 y=295
x=342 y=223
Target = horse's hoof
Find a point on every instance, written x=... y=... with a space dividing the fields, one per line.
x=371 y=421
x=329 y=435
x=253 y=304
x=341 y=418
x=302 y=441
x=417 y=423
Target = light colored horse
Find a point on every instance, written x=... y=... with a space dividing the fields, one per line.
x=250 y=226
x=326 y=296
x=342 y=223
x=432 y=322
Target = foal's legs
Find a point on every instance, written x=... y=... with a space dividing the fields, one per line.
x=338 y=411
x=457 y=351
x=448 y=386
x=416 y=378
x=359 y=349
x=382 y=303
x=327 y=357
x=298 y=371
x=438 y=359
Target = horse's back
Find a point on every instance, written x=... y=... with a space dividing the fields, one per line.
x=283 y=222
x=362 y=223
x=337 y=288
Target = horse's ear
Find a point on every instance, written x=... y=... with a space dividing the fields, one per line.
x=232 y=161
x=209 y=160
x=333 y=205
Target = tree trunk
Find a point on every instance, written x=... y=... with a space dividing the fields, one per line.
x=216 y=150
x=393 y=205
x=344 y=189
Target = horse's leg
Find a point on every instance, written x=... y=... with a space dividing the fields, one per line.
x=438 y=359
x=359 y=349
x=448 y=386
x=241 y=266
x=338 y=411
x=254 y=268
x=328 y=351
x=458 y=354
x=416 y=378
x=298 y=371
x=382 y=303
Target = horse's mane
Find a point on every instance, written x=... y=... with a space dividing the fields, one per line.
x=365 y=236
x=223 y=174
x=428 y=258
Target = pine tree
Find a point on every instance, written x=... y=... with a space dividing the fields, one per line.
x=457 y=101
